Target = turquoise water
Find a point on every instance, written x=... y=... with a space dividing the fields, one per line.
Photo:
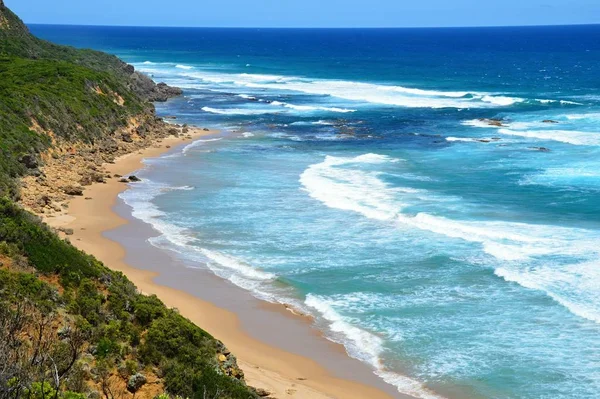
x=355 y=180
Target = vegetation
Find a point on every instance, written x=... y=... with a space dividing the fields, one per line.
x=70 y=328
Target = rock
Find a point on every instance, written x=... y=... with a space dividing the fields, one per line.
x=549 y=121
x=134 y=178
x=68 y=232
x=126 y=137
x=493 y=122
x=29 y=161
x=88 y=198
x=262 y=392
x=542 y=149
x=170 y=117
x=117 y=175
x=206 y=129
x=123 y=180
x=73 y=190
x=135 y=382
x=43 y=200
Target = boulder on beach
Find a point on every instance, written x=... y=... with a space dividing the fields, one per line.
x=73 y=190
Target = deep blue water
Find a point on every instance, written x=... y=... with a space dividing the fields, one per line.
x=356 y=180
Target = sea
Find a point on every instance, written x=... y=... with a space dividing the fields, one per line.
x=430 y=196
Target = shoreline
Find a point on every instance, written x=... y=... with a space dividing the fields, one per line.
x=94 y=219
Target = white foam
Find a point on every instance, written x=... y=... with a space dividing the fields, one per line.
x=198 y=143
x=238 y=111
x=311 y=108
x=501 y=100
x=340 y=183
x=466 y=139
x=565 y=136
x=591 y=115
x=237 y=265
x=574 y=286
x=247 y=97
x=358 y=91
x=364 y=346
x=353 y=190
x=247 y=134
x=186 y=67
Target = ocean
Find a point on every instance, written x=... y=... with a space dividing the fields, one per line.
x=430 y=196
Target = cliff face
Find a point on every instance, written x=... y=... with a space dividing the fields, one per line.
x=56 y=95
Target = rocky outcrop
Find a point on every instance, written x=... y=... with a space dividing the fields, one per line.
x=493 y=122
x=71 y=167
x=135 y=382
x=146 y=88
x=228 y=362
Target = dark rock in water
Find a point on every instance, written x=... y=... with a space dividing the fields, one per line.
x=206 y=129
x=170 y=117
x=73 y=190
x=493 y=122
x=134 y=178
x=542 y=149
x=29 y=161
x=549 y=121
x=135 y=382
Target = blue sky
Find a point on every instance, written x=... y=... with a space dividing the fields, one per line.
x=308 y=13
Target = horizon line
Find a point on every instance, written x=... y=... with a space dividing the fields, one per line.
x=318 y=27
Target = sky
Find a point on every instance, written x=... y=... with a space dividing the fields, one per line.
x=308 y=13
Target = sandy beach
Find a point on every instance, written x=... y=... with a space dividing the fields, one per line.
x=281 y=372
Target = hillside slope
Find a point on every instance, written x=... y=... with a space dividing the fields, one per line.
x=69 y=326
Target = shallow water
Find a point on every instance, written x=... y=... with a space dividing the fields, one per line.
x=356 y=181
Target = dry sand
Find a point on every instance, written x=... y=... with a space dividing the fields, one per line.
x=284 y=374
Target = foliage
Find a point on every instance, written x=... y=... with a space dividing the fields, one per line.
x=99 y=310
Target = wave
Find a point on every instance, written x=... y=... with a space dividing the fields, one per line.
x=364 y=346
x=592 y=115
x=580 y=278
x=237 y=265
x=566 y=136
x=307 y=123
x=343 y=183
x=238 y=111
x=197 y=143
x=357 y=190
x=358 y=91
x=312 y=108
x=465 y=139
x=186 y=67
